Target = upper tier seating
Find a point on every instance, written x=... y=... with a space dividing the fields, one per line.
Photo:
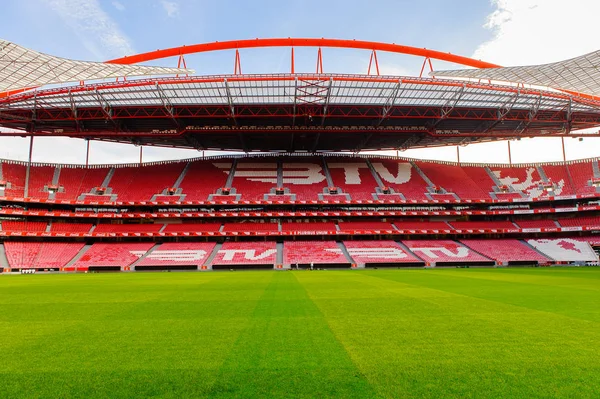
x=453 y=179
x=317 y=252
x=505 y=251
x=112 y=254
x=35 y=255
x=40 y=177
x=141 y=184
x=254 y=178
x=128 y=228
x=483 y=225
x=204 y=178
x=353 y=177
x=246 y=253
x=316 y=227
x=77 y=181
x=523 y=179
x=559 y=177
x=24 y=226
x=436 y=251
x=15 y=175
x=565 y=249
x=191 y=227
x=70 y=227
x=179 y=254
x=304 y=177
x=582 y=173
x=364 y=252
x=402 y=177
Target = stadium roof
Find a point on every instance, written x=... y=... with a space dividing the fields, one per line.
x=21 y=68
x=578 y=75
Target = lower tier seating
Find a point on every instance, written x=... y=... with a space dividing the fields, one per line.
x=111 y=255
x=437 y=251
x=35 y=255
x=178 y=254
x=317 y=252
x=506 y=251
x=365 y=252
x=246 y=253
x=565 y=249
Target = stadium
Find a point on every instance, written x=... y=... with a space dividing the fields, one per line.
x=308 y=176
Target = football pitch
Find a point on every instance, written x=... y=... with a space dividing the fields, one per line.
x=462 y=333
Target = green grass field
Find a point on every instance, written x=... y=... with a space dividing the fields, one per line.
x=464 y=333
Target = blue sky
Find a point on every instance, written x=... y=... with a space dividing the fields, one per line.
x=509 y=32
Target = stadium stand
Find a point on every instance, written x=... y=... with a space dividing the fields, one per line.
x=582 y=174
x=114 y=256
x=240 y=254
x=559 y=176
x=536 y=224
x=79 y=181
x=565 y=249
x=304 y=177
x=304 y=253
x=521 y=179
x=203 y=179
x=579 y=221
x=453 y=179
x=354 y=178
x=253 y=179
x=380 y=253
x=173 y=254
x=483 y=225
x=35 y=255
x=507 y=251
x=191 y=227
x=311 y=227
x=40 y=178
x=402 y=177
x=365 y=225
x=445 y=252
x=14 y=173
x=421 y=225
x=251 y=227
x=70 y=227
x=128 y=228
x=24 y=226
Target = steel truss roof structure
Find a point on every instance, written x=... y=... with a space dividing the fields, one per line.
x=296 y=112
x=21 y=68
x=293 y=112
x=579 y=75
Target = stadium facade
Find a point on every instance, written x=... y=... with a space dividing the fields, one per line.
x=303 y=194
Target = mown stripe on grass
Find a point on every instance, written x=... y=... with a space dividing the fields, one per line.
x=288 y=350
x=168 y=338
x=415 y=341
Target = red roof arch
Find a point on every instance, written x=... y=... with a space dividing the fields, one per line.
x=301 y=42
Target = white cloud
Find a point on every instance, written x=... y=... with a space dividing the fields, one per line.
x=94 y=27
x=171 y=8
x=118 y=5
x=539 y=31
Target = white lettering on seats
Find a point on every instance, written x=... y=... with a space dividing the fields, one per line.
x=351 y=171
x=385 y=253
x=402 y=174
x=302 y=173
x=177 y=255
x=249 y=254
x=461 y=252
x=529 y=186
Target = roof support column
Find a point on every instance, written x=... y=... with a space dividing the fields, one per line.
x=458 y=154
x=509 y=154
x=563 y=150
x=141 y=154
x=87 y=153
x=28 y=170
